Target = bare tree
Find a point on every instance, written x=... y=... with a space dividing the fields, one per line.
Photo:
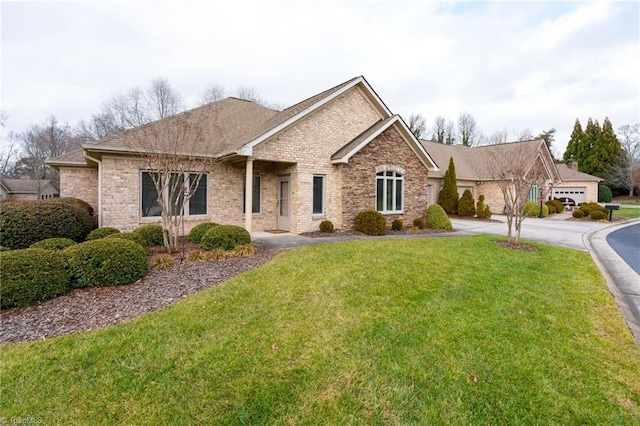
x=468 y=130
x=450 y=133
x=173 y=152
x=249 y=94
x=418 y=125
x=439 y=129
x=212 y=93
x=625 y=172
x=525 y=135
x=8 y=149
x=515 y=175
x=134 y=108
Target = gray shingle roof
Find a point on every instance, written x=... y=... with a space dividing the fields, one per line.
x=25 y=186
x=567 y=174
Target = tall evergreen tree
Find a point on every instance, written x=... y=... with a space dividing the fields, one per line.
x=574 y=141
x=585 y=155
x=607 y=152
x=448 y=197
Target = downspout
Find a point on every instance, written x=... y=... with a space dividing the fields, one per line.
x=99 y=163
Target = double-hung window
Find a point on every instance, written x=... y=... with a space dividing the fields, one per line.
x=178 y=186
x=257 y=195
x=389 y=192
x=318 y=194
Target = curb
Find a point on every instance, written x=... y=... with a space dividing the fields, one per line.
x=622 y=281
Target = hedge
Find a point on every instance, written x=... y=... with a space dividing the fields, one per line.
x=53 y=244
x=131 y=236
x=23 y=223
x=151 y=233
x=96 y=234
x=31 y=276
x=105 y=262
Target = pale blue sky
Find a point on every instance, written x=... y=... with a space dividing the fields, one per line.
x=512 y=65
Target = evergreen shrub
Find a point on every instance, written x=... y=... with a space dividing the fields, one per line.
x=151 y=233
x=196 y=233
x=32 y=275
x=420 y=222
x=106 y=262
x=598 y=215
x=53 y=244
x=370 y=222
x=96 y=234
x=225 y=237
x=131 y=236
x=396 y=225
x=437 y=218
x=466 y=205
x=604 y=194
x=578 y=214
x=480 y=207
x=326 y=226
x=532 y=209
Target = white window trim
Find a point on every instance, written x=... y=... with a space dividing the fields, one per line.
x=186 y=206
x=397 y=176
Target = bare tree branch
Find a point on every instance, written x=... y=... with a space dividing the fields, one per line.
x=625 y=172
x=418 y=125
x=212 y=93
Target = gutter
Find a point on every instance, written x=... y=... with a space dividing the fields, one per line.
x=99 y=163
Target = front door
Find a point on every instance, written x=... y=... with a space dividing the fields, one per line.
x=284 y=195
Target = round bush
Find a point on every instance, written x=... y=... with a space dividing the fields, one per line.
x=225 y=237
x=487 y=212
x=532 y=209
x=396 y=225
x=151 y=233
x=588 y=208
x=136 y=238
x=75 y=202
x=326 y=226
x=96 y=234
x=419 y=222
x=105 y=262
x=551 y=206
x=604 y=194
x=559 y=207
x=195 y=235
x=598 y=215
x=32 y=275
x=23 y=223
x=578 y=214
x=370 y=222
x=53 y=244
x=437 y=218
x=3 y=248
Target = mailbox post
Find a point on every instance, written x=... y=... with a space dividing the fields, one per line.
x=611 y=208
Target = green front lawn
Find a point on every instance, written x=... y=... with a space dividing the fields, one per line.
x=633 y=203
x=425 y=331
x=627 y=212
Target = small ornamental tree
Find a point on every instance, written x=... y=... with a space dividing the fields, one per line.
x=480 y=207
x=466 y=206
x=448 y=197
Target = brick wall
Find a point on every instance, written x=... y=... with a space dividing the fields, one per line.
x=387 y=152
x=80 y=182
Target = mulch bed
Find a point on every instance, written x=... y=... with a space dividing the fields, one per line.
x=516 y=246
x=90 y=308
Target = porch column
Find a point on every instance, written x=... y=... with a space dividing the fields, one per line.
x=248 y=196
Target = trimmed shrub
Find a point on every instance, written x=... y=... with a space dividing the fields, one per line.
x=466 y=205
x=105 y=262
x=480 y=207
x=75 y=202
x=326 y=226
x=53 y=244
x=96 y=234
x=32 y=275
x=551 y=206
x=559 y=207
x=598 y=215
x=136 y=238
x=532 y=209
x=396 y=225
x=3 y=248
x=604 y=194
x=437 y=218
x=196 y=233
x=588 y=208
x=487 y=212
x=578 y=214
x=23 y=223
x=151 y=233
x=420 y=222
x=225 y=237
x=370 y=222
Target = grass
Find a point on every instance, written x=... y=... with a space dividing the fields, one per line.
x=633 y=203
x=425 y=331
x=628 y=212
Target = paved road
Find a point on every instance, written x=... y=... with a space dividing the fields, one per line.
x=626 y=242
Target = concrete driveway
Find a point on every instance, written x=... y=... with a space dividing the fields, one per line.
x=553 y=230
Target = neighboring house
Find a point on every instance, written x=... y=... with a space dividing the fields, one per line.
x=328 y=157
x=580 y=187
x=473 y=169
x=26 y=189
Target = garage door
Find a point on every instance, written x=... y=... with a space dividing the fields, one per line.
x=577 y=194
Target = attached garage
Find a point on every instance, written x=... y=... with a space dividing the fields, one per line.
x=577 y=193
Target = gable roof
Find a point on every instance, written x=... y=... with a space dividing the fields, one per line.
x=567 y=174
x=72 y=158
x=25 y=186
x=350 y=149
x=470 y=161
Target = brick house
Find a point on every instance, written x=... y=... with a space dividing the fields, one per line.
x=328 y=157
x=26 y=189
